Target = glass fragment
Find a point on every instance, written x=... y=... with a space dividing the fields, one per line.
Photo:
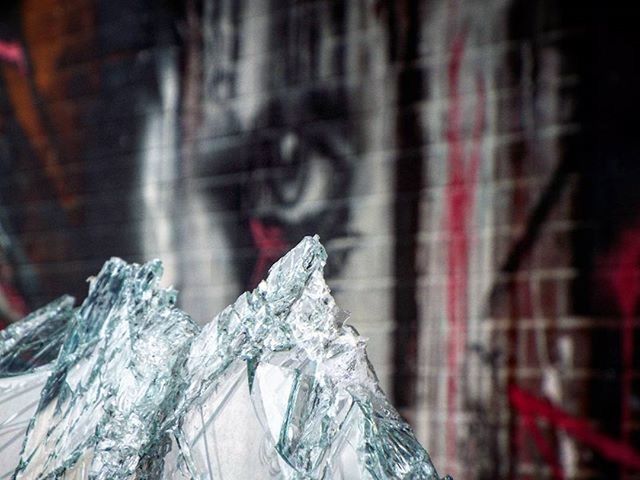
x=127 y=386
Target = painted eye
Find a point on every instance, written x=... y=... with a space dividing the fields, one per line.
x=304 y=174
x=295 y=180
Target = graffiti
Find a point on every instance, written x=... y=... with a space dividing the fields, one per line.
x=437 y=148
x=300 y=175
x=532 y=408
x=294 y=151
x=460 y=196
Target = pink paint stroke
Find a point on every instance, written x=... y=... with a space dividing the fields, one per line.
x=459 y=197
x=13 y=53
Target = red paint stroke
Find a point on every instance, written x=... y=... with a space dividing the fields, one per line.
x=528 y=405
x=269 y=240
x=459 y=197
x=12 y=52
x=625 y=283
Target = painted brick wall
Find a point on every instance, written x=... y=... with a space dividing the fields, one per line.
x=470 y=166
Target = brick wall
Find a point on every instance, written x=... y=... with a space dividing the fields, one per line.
x=470 y=167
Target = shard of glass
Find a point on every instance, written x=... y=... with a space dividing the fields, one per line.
x=127 y=386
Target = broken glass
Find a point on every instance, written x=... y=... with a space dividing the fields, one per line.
x=26 y=349
x=278 y=385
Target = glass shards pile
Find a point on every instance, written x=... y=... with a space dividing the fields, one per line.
x=128 y=386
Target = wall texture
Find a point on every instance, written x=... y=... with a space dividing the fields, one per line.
x=471 y=167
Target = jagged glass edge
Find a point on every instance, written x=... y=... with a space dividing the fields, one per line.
x=35 y=340
x=291 y=309
x=103 y=393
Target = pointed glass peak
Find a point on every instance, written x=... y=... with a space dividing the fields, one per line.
x=276 y=386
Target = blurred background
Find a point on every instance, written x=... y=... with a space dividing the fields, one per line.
x=471 y=167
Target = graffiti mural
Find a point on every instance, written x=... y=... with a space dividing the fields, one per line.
x=470 y=166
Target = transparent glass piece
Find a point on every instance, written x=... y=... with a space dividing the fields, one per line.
x=100 y=408
x=35 y=340
x=276 y=386
x=26 y=348
x=313 y=390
